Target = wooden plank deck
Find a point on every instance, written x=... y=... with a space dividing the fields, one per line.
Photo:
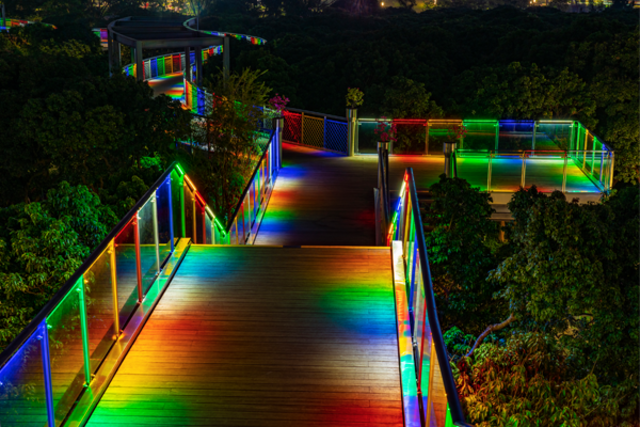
x=322 y=198
x=263 y=336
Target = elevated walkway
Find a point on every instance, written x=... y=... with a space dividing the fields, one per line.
x=265 y=336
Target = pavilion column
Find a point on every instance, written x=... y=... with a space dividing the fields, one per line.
x=139 y=62
x=226 y=60
x=110 y=51
x=199 y=66
x=187 y=64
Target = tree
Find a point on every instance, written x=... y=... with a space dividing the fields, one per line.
x=41 y=245
x=463 y=248
x=229 y=143
x=528 y=381
x=574 y=274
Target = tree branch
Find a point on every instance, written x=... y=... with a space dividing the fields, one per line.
x=491 y=328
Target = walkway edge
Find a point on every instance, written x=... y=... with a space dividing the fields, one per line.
x=91 y=396
x=410 y=403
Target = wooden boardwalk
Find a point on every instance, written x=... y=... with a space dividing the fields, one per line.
x=264 y=336
x=322 y=198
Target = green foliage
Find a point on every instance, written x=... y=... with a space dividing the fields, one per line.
x=574 y=274
x=66 y=121
x=41 y=245
x=463 y=247
x=496 y=64
x=405 y=98
x=229 y=134
x=354 y=98
x=528 y=381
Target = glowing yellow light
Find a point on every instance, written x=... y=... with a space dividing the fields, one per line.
x=193 y=187
x=381 y=3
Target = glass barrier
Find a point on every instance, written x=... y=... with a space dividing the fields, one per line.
x=148 y=250
x=439 y=403
x=66 y=343
x=165 y=220
x=127 y=268
x=481 y=135
x=101 y=305
x=42 y=377
x=23 y=399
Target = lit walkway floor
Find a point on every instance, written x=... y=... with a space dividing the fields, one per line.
x=171 y=85
x=322 y=198
x=250 y=336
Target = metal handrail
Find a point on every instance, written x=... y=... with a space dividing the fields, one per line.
x=411 y=236
x=436 y=333
x=315 y=113
x=248 y=186
x=70 y=283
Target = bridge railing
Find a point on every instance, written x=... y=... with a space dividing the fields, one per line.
x=54 y=362
x=507 y=171
x=426 y=137
x=12 y=22
x=316 y=130
x=429 y=391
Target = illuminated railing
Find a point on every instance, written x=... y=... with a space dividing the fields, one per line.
x=58 y=366
x=9 y=23
x=420 y=136
x=171 y=63
x=317 y=130
x=572 y=171
x=429 y=392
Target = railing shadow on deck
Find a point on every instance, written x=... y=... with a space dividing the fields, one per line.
x=429 y=391
x=54 y=372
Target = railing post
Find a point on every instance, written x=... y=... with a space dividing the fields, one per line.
x=584 y=149
x=84 y=331
x=156 y=239
x=489 y=171
x=43 y=337
x=279 y=129
x=497 y=125
x=302 y=128
x=533 y=141
x=564 y=173
x=426 y=138
x=324 y=131
x=352 y=123
x=523 y=169
x=114 y=287
x=611 y=172
x=448 y=149
x=136 y=237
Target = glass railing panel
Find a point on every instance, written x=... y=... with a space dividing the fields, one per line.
x=481 y=135
x=553 y=136
x=126 y=271
x=22 y=385
x=165 y=219
x=200 y=221
x=177 y=202
x=101 y=307
x=515 y=135
x=147 y=229
x=367 y=139
x=190 y=213
x=437 y=395
x=66 y=352
x=411 y=137
x=208 y=228
x=473 y=167
x=438 y=135
x=506 y=172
